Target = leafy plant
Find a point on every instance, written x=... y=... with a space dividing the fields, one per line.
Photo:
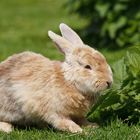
x=123 y=100
x=112 y=23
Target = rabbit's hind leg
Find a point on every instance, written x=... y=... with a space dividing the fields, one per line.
x=6 y=127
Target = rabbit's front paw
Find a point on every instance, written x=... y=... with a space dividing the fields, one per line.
x=74 y=128
x=67 y=125
x=5 y=127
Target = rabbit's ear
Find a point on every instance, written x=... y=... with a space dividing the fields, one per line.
x=63 y=45
x=70 y=35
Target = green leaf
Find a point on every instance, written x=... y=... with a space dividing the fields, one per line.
x=102 y=8
x=121 y=22
x=115 y=26
x=119 y=72
x=133 y=62
x=119 y=7
x=112 y=29
x=137 y=98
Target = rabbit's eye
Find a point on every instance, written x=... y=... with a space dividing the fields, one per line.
x=88 y=67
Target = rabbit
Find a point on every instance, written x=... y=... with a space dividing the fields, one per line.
x=37 y=90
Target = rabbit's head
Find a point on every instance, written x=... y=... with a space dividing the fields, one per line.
x=84 y=66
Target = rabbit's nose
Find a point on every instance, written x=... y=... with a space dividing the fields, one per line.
x=108 y=84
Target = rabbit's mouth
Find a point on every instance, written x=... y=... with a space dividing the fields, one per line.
x=96 y=88
x=101 y=86
x=91 y=87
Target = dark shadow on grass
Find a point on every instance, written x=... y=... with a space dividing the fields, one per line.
x=34 y=127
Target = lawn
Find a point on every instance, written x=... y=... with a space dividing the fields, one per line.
x=114 y=131
x=23 y=26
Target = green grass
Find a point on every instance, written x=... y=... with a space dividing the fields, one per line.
x=114 y=131
x=23 y=26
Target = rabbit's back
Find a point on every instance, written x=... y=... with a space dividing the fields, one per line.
x=22 y=62
x=19 y=74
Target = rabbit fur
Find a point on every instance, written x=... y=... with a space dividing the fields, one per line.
x=37 y=90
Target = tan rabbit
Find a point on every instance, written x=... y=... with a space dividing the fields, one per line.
x=37 y=90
